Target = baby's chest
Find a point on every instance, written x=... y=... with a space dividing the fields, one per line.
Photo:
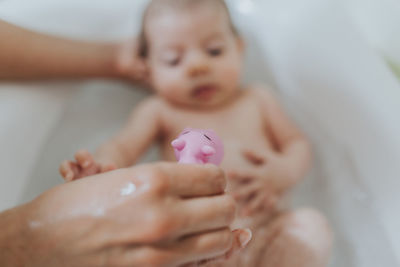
x=236 y=124
x=236 y=135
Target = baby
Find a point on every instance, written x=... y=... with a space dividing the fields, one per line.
x=194 y=55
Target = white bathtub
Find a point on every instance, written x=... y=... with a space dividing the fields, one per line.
x=331 y=81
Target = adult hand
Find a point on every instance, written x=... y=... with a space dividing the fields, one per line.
x=164 y=214
x=26 y=54
x=129 y=63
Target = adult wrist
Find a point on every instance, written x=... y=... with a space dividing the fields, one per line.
x=115 y=70
x=126 y=63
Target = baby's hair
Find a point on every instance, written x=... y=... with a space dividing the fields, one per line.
x=157 y=5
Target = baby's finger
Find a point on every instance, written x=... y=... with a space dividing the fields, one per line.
x=68 y=170
x=268 y=204
x=107 y=167
x=271 y=202
x=255 y=205
x=89 y=171
x=252 y=157
x=242 y=177
x=65 y=170
x=84 y=158
x=243 y=193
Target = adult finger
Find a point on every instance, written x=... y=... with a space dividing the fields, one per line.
x=194 y=180
x=203 y=246
x=189 y=249
x=241 y=237
x=204 y=214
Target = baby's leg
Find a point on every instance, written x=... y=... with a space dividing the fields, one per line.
x=299 y=238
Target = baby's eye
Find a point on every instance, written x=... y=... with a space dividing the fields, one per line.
x=173 y=61
x=171 y=58
x=215 y=52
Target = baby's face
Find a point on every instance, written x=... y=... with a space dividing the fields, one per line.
x=194 y=57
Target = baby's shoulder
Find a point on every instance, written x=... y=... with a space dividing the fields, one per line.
x=150 y=105
x=259 y=92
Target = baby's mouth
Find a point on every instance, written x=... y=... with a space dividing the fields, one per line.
x=204 y=92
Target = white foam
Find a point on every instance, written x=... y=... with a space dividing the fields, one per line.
x=99 y=212
x=128 y=189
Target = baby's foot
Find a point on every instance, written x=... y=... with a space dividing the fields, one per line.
x=84 y=165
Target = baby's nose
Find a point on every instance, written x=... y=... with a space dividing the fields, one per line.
x=198 y=66
x=198 y=70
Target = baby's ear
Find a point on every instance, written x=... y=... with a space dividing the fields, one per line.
x=149 y=77
x=241 y=44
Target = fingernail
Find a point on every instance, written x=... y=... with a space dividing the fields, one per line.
x=245 y=237
x=69 y=177
x=86 y=164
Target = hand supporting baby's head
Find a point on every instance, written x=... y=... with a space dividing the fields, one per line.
x=193 y=51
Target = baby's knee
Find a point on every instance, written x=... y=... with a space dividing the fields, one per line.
x=310 y=228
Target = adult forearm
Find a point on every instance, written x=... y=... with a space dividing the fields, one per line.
x=28 y=55
x=13 y=233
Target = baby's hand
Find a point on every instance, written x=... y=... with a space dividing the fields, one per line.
x=84 y=165
x=255 y=189
x=253 y=195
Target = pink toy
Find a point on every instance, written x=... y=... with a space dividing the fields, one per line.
x=198 y=146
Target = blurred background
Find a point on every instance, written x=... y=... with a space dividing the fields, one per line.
x=334 y=64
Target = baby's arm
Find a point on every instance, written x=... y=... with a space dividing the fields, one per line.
x=124 y=148
x=142 y=128
x=292 y=148
x=276 y=170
